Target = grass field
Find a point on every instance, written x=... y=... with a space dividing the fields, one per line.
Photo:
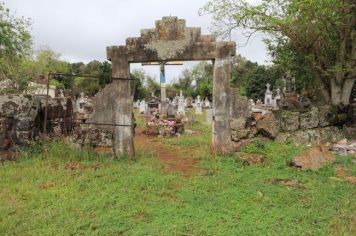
x=56 y=189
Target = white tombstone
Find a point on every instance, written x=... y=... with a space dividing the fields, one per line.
x=137 y=104
x=80 y=103
x=276 y=99
x=268 y=96
x=206 y=103
x=252 y=104
x=143 y=107
x=198 y=107
x=181 y=106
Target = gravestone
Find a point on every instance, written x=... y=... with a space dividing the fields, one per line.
x=268 y=96
x=209 y=116
x=206 y=103
x=181 y=104
x=143 y=107
x=198 y=108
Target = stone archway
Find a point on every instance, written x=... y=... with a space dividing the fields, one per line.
x=170 y=40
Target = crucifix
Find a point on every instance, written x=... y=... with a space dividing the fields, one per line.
x=162 y=79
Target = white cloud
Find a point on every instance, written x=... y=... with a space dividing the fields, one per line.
x=80 y=30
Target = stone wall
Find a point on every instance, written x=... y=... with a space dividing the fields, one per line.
x=308 y=126
x=19 y=120
x=22 y=116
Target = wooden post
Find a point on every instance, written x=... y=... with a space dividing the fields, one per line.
x=123 y=135
x=221 y=143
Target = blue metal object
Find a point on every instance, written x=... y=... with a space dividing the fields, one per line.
x=162 y=78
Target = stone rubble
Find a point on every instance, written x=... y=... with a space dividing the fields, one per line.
x=345 y=148
x=313 y=159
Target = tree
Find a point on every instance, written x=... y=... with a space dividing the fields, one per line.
x=105 y=73
x=241 y=68
x=322 y=32
x=15 y=46
x=184 y=83
x=257 y=79
x=140 y=91
x=202 y=73
x=89 y=86
x=152 y=85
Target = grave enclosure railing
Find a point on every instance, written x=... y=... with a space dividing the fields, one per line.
x=65 y=119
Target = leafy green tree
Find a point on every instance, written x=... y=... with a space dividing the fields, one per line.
x=15 y=46
x=256 y=82
x=240 y=71
x=105 y=73
x=48 y=61
x=89 y=86
x=152 y=85
x=202 y=73
x=185 y=83
x=140 y=92
x=322 y=32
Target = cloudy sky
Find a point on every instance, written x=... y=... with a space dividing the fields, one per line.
x=80 y=30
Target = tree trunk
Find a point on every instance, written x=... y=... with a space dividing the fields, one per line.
x=324 y=90
x=335 y=92
x=340 y=93
x=346 y=91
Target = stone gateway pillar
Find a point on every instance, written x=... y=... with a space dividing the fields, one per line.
x=221 y=143
x=122 y=107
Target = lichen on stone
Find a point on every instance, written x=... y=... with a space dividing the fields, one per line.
x=170 y=49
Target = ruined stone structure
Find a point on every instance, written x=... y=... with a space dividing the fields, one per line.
x=170 y=40
x=314 y=125
x=22 y=116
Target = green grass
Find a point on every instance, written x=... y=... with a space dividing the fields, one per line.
x=134 y=197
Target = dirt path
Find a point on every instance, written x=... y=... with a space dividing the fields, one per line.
x=171 y=159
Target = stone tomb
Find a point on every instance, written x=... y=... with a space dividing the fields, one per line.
x=170 y=40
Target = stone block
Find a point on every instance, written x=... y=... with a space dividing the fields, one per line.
x=268 y=126
x=24 y=124
x=313 y=159
x=289 y=121
x=238 y=123
x=331 y=134
x=327 y=116
x=237 y=135
x=309 y=119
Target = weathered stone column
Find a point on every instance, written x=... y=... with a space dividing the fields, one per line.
x=221 y=143
x=123 y=135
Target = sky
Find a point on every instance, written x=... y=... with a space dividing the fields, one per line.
x=80 y=30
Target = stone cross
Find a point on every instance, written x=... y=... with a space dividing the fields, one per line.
x=268 y=85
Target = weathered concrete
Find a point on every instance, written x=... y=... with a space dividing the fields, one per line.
x=171 y=40
x=123 y=135
x=222 y=98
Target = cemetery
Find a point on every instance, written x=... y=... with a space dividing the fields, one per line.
x=229 y=147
